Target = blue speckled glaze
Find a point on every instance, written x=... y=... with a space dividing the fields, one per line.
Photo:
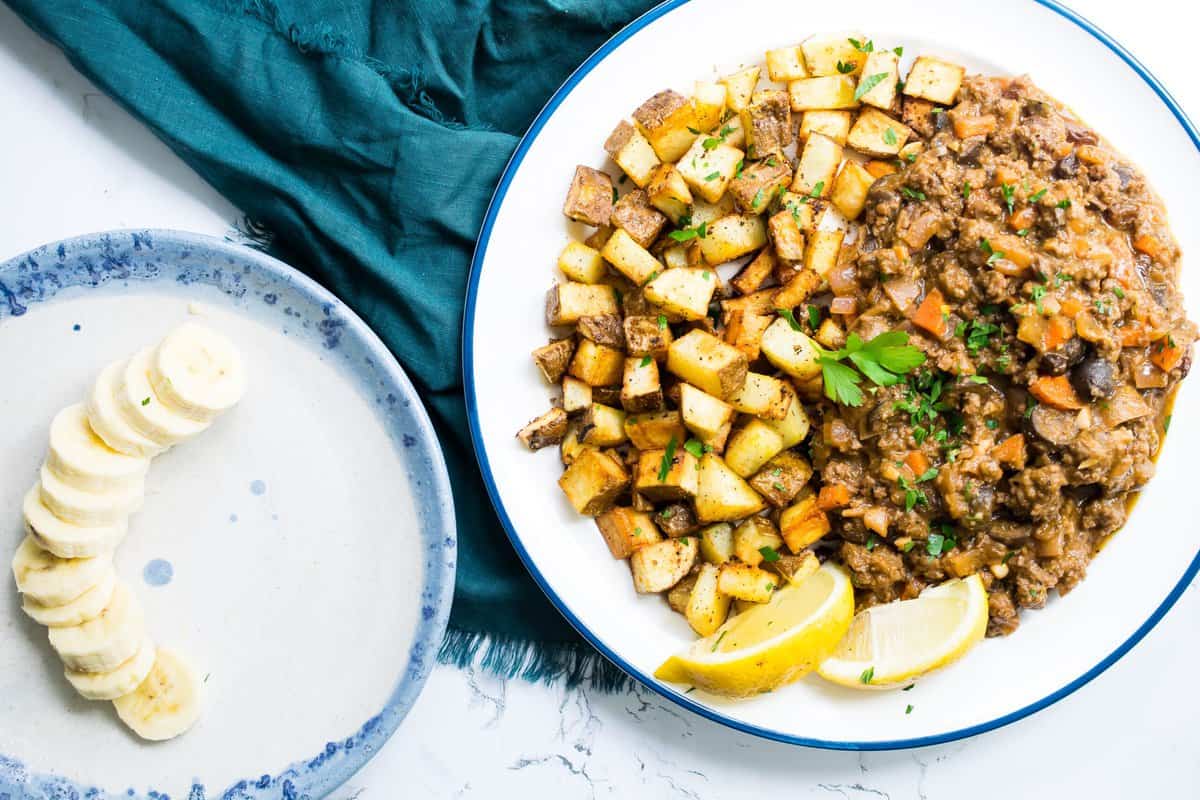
x=158 y=572
x=270 y=291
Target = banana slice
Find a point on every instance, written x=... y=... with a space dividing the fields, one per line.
x=88 y=508
x=81 y=458
x=198 y=372
x=120 y=681
x=106 y=420
x=106 y=642
x=166 y=704
x=145 y=411
x=65 y=539
x=87 y=606
x=52 y=581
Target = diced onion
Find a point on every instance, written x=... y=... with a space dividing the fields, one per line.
x=842 y=279
x=843 y=305
x=903 y=292
x=1148 y=376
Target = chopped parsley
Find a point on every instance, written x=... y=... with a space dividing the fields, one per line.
x=908 y=709
x=1008 y=191
x=977 y=334
x=966 y=189
x=889 y=136
x=912 y=194
x=145 y=401
x=1064 y=203
x=814 y=317
x=866 y=46
x=718 y=641
x=940 y=542
x=790 y=317
x=867 y=84
x=687 y=234
x=867 y=675
x=899 y=51
x=662 y=322
x=668 y=460
x=1038 y=195
x=1119 y=292
x=883 y=360
x=992 y=254
x=645 y=361
x=1037 y=293
x=1023 y=232
x=615 y=195
x=846 y=69
x=992 y=424
x=758 y=198
x=694 y=447
x=712 y=176
x=872 y=542
x=769 y=554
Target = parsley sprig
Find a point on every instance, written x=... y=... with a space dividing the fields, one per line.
x=687 y=234
x=883 y=361
x=868 y=83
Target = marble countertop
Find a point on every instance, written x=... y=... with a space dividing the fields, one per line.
x=1130 y=733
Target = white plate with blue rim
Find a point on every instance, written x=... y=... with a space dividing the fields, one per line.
x=1131 y=584
x=300 y=553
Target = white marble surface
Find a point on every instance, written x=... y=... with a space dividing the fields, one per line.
x=1130 y=733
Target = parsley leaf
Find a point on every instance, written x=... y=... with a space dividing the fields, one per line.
x=814 y=317
x=992 y=254
x=789 y=316
x=1038 y=195
x=645 y=362
x=712 y=176
x=889 y=136
x=769 y=554
x=863 y=47
x=662 y=322
x=912 y=194
x=846 y=69
x=1008 y=191
x=1064 y=203
x=668 y=460
x=695 y=447
x=882 y=360
x=867 y=84
x=966 y=189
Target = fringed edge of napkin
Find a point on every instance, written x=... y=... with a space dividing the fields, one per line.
x=573 y=663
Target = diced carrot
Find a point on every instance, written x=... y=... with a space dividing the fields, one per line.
x=1133 y=334
x=1070 y=306
x=1090 y=154
x=1014 y=250
x=1063 y=150
x=1056 y=392
x=966 y=127
x=833 y=495
x=877 y=169
x=1022 y=218
x=1079 y=224
x=930 y=315
x=1123 y=270
x=1003 y=175
x=1150 y=245
x=917 y=462
x=1094 y=251
x=1011 y=451
x=1166 y=353
x=1059 y=329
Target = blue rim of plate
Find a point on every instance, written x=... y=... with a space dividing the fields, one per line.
x=137 y=256
x=481 y=455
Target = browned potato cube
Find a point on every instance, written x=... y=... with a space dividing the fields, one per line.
x=576 y=395
x=818 y=162
x=669 y=193
x=708 y=170
x=597 y=365
x=597 y=238
x=667 y=120
x=760 y=302
x=759 y=183
x=744 y=330
x=805 y=209
x=707 y=606
x=755 y=274
x=552 y=359
x=677 y=483
x=602 y=426
x=654 y=430
x=934 y=80
x=823 y=249
x=567 y=302
x=826 y=92
x=547 y=429
x=648 y=336
x=882 y=71
x=722 y=495
x=751 y=446
x=877 y=134
x=708 y=417
x=681 y=593
x=850 y=189
x=824 y=53
x=571 y=446
x=607 y=395
x=786 y=236
x=782 y=478
x=733 y=237
x=762 y=396
x=634 y=215
x=795 y=568
x=786 y=64
x=590 y=198
x=605 y=329
x=799 y=288
x=677 y=519
x=632 y=152
x=684 y=293
x=740 y=87
x=640 y=386
x=581 y=263
x=754 y=535
x=706 y=362
x=834 y=124
x=746 y=582
x=625 y=530
x=708 y=101
x=918 y=115
x=767 y=122
x=593 y=481
x=629 y=258
x=659 y=566
x=803 y=523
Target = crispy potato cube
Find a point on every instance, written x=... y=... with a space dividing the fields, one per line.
x=571 y=446
x=707 y=363
x=590 y=198
x=745 y=582
x=790 y=350
x=709 y=171
x=707 y=606
x=751 y=446
x=834 y=124
x=665 y=120
x=552 y=359
x=681 y=256
x=681 y=593
x=659 y=566
x=752 y=536
x=581 y=263
x=654 y=430
x=786 y=236
x=794 y=427
x=630 y=258
x=547 y=429
x=830 y=334
x=602 y=426
x=708 y=103
x=762 y=396
x=786 y=64
x=818 y=162
x=822 y=54
x=795 y=568
x=722 y=495
x=934 y=80
x=669 y=193
x=567 y=302
x=877 y=134
x=598 y=237
x=803 y=523
x=607 y=395
x=805 y=209
x=756 y=273
x=593 y=480
x=716 y=543
x=634 y=215
x=850 y=189
x=647 y=336
x=683 y=292
x=677 y=519
x=632 y=153
x=823 y=249
x=708 y=418
x=918 y=115
x=760 y=302
x=828 y=92
x=603 y=329
x=640 y=387
x=759 y=183
x=704 y=211
x=800 y=286
x=576 y=395
x=744 y=330
x=883 y=93
x=732 y=237
x=625 y=530
x=767 y=121
x=679 y=482
x=739 y=87
x=782 y=478
x=911 y=150
x=597 y=365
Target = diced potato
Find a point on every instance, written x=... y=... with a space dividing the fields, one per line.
x=877 y=134
x=786 y=64
x=684 y=292
x=679 y=482
x=597 y=364
x=602 y=329
x=647 y=336
x=707 y=363
x=630 y=258
x=547 y=429
x=752 y=536
x=759 y=183
x=823 y=248
x=831 y=91
x=708 y=172
x=667 y=120
x=552 y=359
x=732 y=237
x=681 y=593
x=934 y=80
x=571 y=446
x=625 y=530
x=677 y=519
x=593 y=481
x=732 y=132
x=745 y=582
x=590 y=197
x=641 y=389
x=918 y=115
x=803 y=523
x=704 y=211
x=760 y=302
x=883 y=93
x=602 y=426
x=659 y=566
x=822 y=54
x=681 y=256
x=782 y=478
x=654 y=430
x=744 y=330
x=786 y=236
x=634 y=215
x=707 y=417
x=850 y=189
x=795 y=568
x=751 y=446
x=802 y=285
x=739 y=87
x=632 y=153
x=834 y=124
x=818 y=162
x=805 y=209
x=767 y=121
x=708 y=103
x=790 y=350
x=716 y=543
x=762 y=396
x=581 y=263
x=910 y=151
x=576 y=395
x=756 y=273
x=669 y=193
x=567 y=302
x=722 y=495
x=708 y=606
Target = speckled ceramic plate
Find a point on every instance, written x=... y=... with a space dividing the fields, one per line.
x=300 y=552
x=1130 y=585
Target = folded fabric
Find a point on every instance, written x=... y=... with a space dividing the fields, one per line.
x=364 y=139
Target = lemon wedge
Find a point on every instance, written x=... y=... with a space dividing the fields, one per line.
x=891 y=645
x=773 y=643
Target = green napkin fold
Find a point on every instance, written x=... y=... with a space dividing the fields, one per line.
x=365 y=138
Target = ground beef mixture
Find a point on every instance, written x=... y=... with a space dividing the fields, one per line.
x=1018 y=447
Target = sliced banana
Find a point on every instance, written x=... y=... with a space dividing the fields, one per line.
x=52 y=581
x=166 y=704
x=106 y=642
x=88 y=508
x=120 y=681
x=145 y=411
x=81 y=458
x=106 y=419
x=65 y=539
x=87 y=606
x=198 y=372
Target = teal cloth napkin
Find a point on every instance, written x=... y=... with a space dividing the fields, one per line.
x=365 y=138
